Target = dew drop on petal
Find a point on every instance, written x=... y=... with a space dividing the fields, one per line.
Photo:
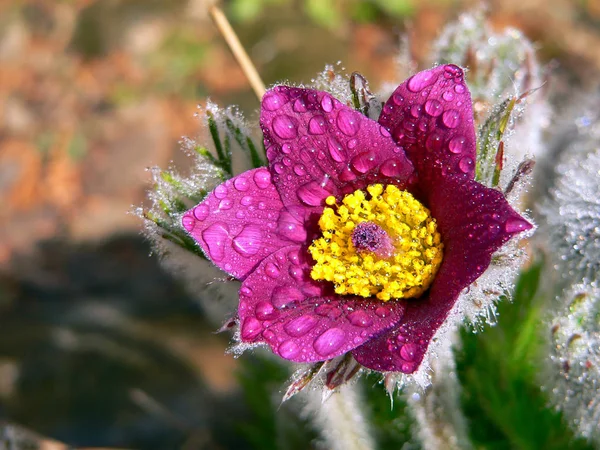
x=272 y=270
x=317 y=125
x=288 y=349
x=239 y=214
x=264 y=310
x=330 y=341
x=384 y=132
x=262 y=178
x=284 y=295
x=456 y=144
x=241 y=184
x=408 y=367
x=294 y=257
x=397 y=98
x=215 y=237
x=272 y=101
x=364 y=162
x=352 y=143
x=225 y=204
x=248 y=242
x=299 y=105
x=382 y=311
x=416 y=111
x=433 y=107
x=246 y=200
x=312 y=194
x=433 y=143
x=300 y=325
x=201 y=212
x=221 y=191
x=420 y=81
x=466 y=164
x=408 y=352
x=459 y=88
x=251 y=328
x=348 y=122
x=296 y=273
x=451 y=118
x=336 y=151
x=327 y=103
x=360 y=319
x=299 y=170
x=285 y=127
x=516 y=225
x=188 y=222
x=329 y=311
x=448 y=96
x=392 y=168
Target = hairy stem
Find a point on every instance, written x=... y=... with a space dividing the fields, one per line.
x=340 y=419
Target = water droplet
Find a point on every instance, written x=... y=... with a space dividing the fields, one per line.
x=360 y=319
x=456 y=144
x=299 y=170
x=241 y=183
x=347 y=175
x=296 y=273
x=352 y=143
x=459 y=88
x=285 y=127
x=330 y=341
x=382 y=311
x=420 y=81
x=264 y=310
x=248 y=242
x=433 y=107
x=448 y=96
x=239 y=214
x=246 y=200
x=312 y=193
x=416 y=111
x=278 y=167
x=516 y=225
x=392 y=168
x=348 y=122
x=272 y=270
x=300 y=325
x=262 y=178
x=286 y=149
x=453 y=71
x=433 y=143
x=215 y=237
x=451 y=118
x=251 y=328
x=288 y=349
x=201 y=212
x=221 y=191
x=294 y=257
x=272 y=101
x=384 y=132
x=284 y=295
x=317 y=125
x=336 y=150
x=225 y=204
x=327 y=103
x=299 y=105
x=407 y=368
x=408 y=352
x=397 y=98
x=466 y=164
x=291 y=227
x=188 y=222
x=364 y=162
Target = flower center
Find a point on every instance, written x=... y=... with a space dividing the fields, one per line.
x=386 y=246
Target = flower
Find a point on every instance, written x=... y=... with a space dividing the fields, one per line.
x=360 y=235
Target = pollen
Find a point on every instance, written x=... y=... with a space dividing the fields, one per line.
x=381 y=243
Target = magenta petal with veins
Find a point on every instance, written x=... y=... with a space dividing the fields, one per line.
x=258 y=226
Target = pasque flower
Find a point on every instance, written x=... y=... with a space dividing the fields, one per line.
x=360 y=235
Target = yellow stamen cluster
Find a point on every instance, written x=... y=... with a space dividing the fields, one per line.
x=417 y=255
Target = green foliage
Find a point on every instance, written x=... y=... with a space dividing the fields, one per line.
x=502 y=399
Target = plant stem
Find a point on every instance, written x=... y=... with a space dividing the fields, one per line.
x=340 y=419
x=238 y=51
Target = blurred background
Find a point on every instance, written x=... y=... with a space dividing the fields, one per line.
x=99 y=347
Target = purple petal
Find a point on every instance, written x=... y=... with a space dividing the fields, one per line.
x=318 y=147
x=241 y=222
x=431 y=116
x=474 y=221
x=281 y=305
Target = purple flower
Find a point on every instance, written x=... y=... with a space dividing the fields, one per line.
x=360 y=235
